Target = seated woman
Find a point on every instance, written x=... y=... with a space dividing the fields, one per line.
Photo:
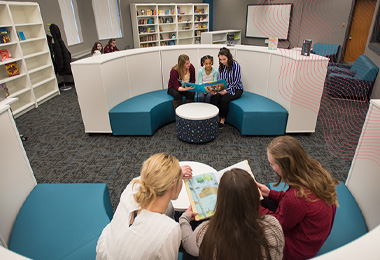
x=236 y=231
x=185 y=72
x=111 y=46
x=306 y=210
x=229 y=70
x=140 y=229
x=97 y=49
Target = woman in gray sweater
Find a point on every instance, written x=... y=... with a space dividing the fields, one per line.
x=236 y=231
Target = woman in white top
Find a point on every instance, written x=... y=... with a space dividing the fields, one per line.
x=140 y=229
x=97 y=49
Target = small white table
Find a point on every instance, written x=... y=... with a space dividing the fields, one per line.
x=182 y=202
x=197 y=122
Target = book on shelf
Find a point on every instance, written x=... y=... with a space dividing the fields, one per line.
x=213 y=86
x=4 y=35
x=5 y=55
x=12 y=69
x=21 y=36
x=4 y=93
x=202 y=190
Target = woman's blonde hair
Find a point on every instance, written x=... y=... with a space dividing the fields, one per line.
x=299 y=170
x=181 y=64
x=158 y=174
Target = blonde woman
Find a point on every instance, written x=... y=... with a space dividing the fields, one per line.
x=306 y=210
x=140 y=229
x=184 y=71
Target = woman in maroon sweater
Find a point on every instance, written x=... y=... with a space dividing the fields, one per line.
x=306 y=210
x=184 y=71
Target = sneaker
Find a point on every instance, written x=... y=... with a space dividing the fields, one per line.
x=221 y=125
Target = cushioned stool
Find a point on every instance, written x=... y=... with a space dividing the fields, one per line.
x=61 y=221
x=349 y=223
x=197 y=122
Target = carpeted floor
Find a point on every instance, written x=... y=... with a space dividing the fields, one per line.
x=60 y=151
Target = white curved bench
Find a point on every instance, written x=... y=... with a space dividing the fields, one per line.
x=284 y=76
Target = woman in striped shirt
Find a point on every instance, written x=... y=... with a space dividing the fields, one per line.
x=229 y=70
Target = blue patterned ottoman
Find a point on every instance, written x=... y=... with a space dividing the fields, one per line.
x=197 y=122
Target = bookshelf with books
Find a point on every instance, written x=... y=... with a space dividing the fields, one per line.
x=35 y=81
x=170 y=24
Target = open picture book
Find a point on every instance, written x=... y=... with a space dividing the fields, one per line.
x=202 y=190
x=213 y=86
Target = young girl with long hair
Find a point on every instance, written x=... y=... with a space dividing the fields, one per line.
x=184 y=71
x=206 y=74
x=236 y=230
x=306 y=210
x=140 y=229
x=229 y=69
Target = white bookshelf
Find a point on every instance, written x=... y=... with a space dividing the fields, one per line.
x=220 y=37
x=37 y=82
x=168 y=24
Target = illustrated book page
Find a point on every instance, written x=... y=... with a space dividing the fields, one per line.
x=202 y=190
x=216 y=86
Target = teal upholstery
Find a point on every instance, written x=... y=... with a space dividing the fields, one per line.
x=354 y=81
x=142 y=114
x=327 y=50
x=253 y=114
x=61 y=221
x=349 y=223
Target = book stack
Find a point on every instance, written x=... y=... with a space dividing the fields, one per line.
x=4 y=35
x=5 y=55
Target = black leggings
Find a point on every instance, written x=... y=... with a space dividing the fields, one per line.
x=178 y=94
x=223 y=101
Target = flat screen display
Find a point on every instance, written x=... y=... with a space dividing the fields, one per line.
x=268 y=20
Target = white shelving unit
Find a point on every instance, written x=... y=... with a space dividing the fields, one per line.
x=168 y=24
x=37 y=82
x=220 y=37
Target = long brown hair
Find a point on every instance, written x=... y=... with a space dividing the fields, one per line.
x=235 y=232
x=230 y=60
x=95 y=47
x=299 y=170
x=181 y=64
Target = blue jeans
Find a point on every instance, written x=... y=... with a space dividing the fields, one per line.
x=204 y=98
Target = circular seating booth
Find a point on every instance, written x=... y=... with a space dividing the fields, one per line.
x=124 y=93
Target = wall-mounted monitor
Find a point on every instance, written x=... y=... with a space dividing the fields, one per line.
x=268 y=20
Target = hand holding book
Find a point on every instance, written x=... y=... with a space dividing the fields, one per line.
x=213 y=86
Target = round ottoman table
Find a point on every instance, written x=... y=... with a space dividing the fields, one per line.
x=197 y=122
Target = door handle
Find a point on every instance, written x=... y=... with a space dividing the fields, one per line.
x=350 y=37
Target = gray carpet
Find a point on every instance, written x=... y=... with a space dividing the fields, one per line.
x=60 y=151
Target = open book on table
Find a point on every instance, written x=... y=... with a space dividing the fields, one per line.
x=202 y=190
x=213 y=86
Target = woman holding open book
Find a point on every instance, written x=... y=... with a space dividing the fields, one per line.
x=306 y=210
x=236 y=231
x=229 y=69
x=185 y=72
x=140 y=229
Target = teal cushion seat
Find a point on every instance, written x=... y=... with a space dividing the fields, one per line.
x=349 y=223
x=61 y=221
x=142 y=114
x=253 y=114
